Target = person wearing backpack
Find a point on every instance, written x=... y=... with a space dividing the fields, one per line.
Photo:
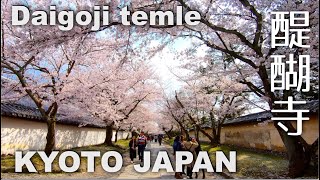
x=191 y=145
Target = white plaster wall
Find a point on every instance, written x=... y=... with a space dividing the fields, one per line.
x=121 y=135
x=125 y=134
x=19 y=134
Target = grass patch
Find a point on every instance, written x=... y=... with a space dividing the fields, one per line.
x=169 y=141
x=123 y=143
x=249 y=163
x=252 y=164
x=8 y=162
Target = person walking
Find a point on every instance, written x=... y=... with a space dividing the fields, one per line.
x=142 y=143
x=191 y=145
x=177 y=146
x=133 y=150
x=155 y=138
x=160 y=139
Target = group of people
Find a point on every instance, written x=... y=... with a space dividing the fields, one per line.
x=141 y=143
x=156 y=138
x=179 y=144
x=190 y=144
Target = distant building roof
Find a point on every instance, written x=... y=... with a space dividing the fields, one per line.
x=21 y=111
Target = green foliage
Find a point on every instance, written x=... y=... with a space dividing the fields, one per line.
x=123 y=143
x=169 y=141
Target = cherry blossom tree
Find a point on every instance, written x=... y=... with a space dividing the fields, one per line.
x=172 y=113
x=112 y=91
x=241 y=30
x=39 y=61
x=238 y=29
x=42 y=76
x=211 y=103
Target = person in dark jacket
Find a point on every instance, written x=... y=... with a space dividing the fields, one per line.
x=160 y=137
x=177 y=146
x=132 y=146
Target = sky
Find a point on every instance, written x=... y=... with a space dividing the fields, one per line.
x=168 y=67
x=165 y=63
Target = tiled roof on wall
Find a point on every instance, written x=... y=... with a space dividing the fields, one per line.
x=312 y=106
x=256 y=117
x=18 y=110
x=10 y=109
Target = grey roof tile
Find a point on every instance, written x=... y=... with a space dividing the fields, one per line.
x=312 y=106
x=30 y=113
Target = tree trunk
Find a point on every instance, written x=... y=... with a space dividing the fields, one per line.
x=50 y=116
x=51 y=124
x=185 y=132
x=127 y=136
x=215 y=141
x=205 y=133
x=168 y=134
x=298 y=152
x=197 y=133
x=187 y=135
x=299 y=157
x=116 y=136
x=108 y=140
x=297 y=149
x=216 y=136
